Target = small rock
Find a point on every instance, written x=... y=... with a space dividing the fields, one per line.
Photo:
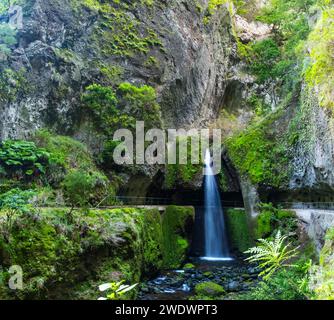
x=233 y=286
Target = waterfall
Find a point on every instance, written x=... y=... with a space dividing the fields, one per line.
x=216 y=244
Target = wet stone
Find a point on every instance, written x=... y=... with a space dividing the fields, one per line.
x=180 y=284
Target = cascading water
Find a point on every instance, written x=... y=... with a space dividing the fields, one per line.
x=216 y=244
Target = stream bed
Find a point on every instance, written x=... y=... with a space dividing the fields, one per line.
x=236 y=277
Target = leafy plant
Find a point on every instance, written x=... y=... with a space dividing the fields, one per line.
x=7 y=38
x=22 y=158
x=16 y=199
x=12 y=204
x=285 y=284
x=118 y=290
x=320 y=71
x=264 y=55
x=272 y=255
x=84 y=188
x=141 y=103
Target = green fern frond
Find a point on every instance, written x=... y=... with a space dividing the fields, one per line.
x=272 y=255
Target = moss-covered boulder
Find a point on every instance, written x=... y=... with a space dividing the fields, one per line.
x=239 y=229
x=271 y=219
x=68 y=259
x=176 y=227
x=209 y=289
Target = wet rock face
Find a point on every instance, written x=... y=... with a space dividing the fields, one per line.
x=58 y=57
x=314 y=154
x=197 y=69
x=316 y=223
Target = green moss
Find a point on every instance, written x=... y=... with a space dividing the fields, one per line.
x=261 y=154
x=279 y=57
x=320 y=71
x=180 y=173
x=263 y=225
x=71 y=166
x=115 y=109
x=116 y=32
x=13 y=84
x=239 y=229
x=212 y=7
x=272 y=219
x=175 y=243
x=68 y=260
x=223 y=180
x=152 y=241
x=209 y=289
x=112 y=74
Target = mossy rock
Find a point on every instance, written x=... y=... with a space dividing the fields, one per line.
x=209 y=289
x=189 y=266
x=239 y=229
x=208 y=274
x=176 y=227
x=69 y=259
x=272 y=219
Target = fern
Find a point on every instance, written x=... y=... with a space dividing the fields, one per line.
x=118 y=290
x=272 y=255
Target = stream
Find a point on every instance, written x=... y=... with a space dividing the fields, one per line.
x=236 y=277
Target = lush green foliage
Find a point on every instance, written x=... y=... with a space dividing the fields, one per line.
x=102 y=104
x=278 y=58
x=141 y=103
x=272 y=255
x=214 y=4
x=271 y=219
x=69 y=259
x=20 y=159
x=261 y=154
x=7 y=38
x=322 y=275
x=175 y=243
x=83 y=188
x=264 y=56
x=320 y=71
x=239 y=229
x=16 y=199
x=64 y=151
x=113 y=110
x=286 y=284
